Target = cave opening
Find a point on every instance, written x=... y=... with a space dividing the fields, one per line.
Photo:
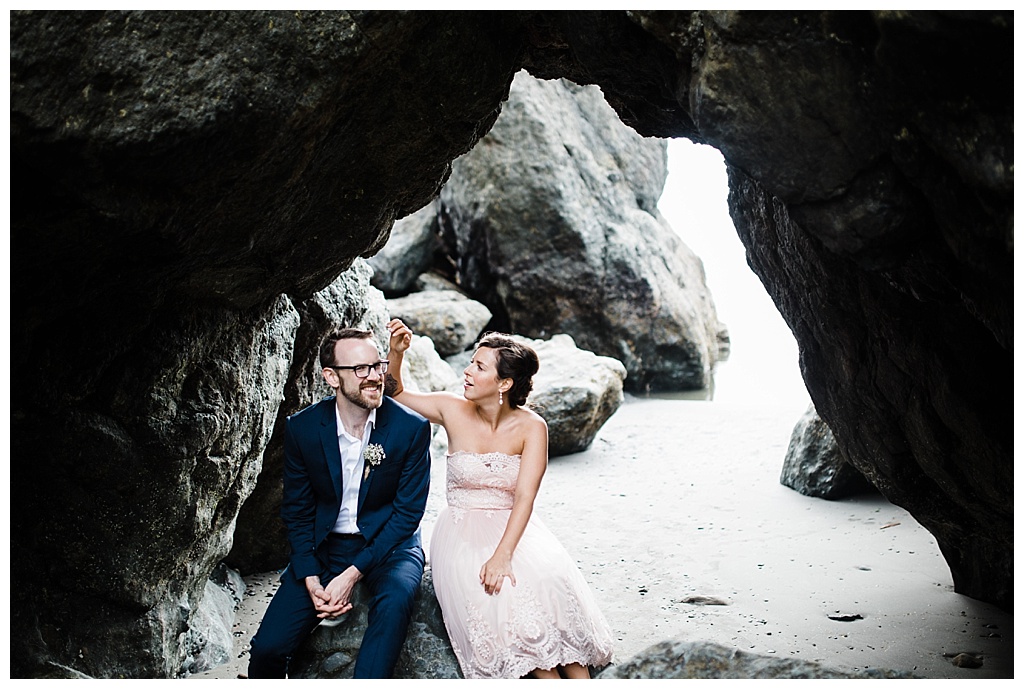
x=763 y=358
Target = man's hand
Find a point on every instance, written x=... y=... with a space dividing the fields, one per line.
x=317 y=594
x=328 y=607
x=337 y=596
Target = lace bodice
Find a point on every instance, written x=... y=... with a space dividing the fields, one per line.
x=481 y=481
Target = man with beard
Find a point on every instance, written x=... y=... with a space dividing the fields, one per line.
x=356 y=477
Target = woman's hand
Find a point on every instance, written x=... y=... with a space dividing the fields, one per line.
x=493 y=573
x=401 y=335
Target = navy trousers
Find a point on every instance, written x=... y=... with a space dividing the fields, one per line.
x=290 y=617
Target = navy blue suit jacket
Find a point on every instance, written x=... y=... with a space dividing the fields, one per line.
x=391 y=498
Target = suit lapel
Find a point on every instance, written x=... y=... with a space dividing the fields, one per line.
x=329 y=441
x=379 y=436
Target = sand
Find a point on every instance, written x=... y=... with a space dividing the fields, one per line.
x=679 y=500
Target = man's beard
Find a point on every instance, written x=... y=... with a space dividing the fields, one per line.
x=356 y=396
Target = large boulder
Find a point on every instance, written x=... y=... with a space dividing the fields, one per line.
x=408 y=252
x=552 y=222
x=177 y=174
x=449 y=318
x=330 y=651
x=814 y=464
x=870 y=160
x=575 y=391
x=127 y=533
x=703 y=660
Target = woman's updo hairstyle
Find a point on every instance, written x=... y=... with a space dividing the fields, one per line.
x=515 y=361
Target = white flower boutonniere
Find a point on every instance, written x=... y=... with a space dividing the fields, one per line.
x=373 y=455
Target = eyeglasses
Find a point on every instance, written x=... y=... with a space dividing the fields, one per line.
x=363 y=370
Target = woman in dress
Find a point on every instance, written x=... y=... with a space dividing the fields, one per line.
x=514 y=602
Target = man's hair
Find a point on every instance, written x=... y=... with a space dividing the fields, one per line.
x=331 y=339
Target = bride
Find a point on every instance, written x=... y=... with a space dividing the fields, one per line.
x=514 y=602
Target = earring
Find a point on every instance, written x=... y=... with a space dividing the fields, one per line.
x=500 y=398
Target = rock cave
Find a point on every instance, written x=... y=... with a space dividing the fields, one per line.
x=185 y=186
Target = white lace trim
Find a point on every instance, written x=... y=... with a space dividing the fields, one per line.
x=534 y=640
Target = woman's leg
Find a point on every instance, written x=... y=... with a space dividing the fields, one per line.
x=576 y=671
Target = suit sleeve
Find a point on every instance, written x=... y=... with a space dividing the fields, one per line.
x=298 y=509
x=410 y=502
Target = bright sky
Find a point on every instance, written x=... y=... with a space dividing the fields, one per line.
x=764 y=364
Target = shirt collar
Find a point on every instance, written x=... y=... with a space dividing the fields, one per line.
x=371 y=420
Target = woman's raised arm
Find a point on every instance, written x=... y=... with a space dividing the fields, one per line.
x=431 y=405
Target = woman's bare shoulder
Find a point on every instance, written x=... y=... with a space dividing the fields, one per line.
x=532 y=421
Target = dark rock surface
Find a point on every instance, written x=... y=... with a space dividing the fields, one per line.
x=409 y=251
x=700 y=660
x=814 y=464
x=888 y=253
x=552 y=222
x=173 y=175
x=120 y=512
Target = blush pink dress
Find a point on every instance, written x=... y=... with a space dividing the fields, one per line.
x=549 y=618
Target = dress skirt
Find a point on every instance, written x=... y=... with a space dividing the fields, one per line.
x=549 y=618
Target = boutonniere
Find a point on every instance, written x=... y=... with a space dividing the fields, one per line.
x=373 y=455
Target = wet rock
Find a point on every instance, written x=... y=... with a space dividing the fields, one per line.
x=703 y=600
x=814 y=464
x=968 y=660
x=701 y=660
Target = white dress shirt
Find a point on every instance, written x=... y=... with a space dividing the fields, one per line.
x=351 y=472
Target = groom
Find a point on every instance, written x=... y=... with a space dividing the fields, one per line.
x=356 y=477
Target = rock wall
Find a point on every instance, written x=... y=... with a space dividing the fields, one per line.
x=552 y=221
x=891 y=255
x=871 y=181
x=175 y=175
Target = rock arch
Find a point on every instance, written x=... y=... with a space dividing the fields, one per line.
x=182 y=182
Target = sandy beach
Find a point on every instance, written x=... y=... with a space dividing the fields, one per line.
x=679 y=499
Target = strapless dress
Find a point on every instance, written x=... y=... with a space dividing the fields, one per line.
x=549 y=618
